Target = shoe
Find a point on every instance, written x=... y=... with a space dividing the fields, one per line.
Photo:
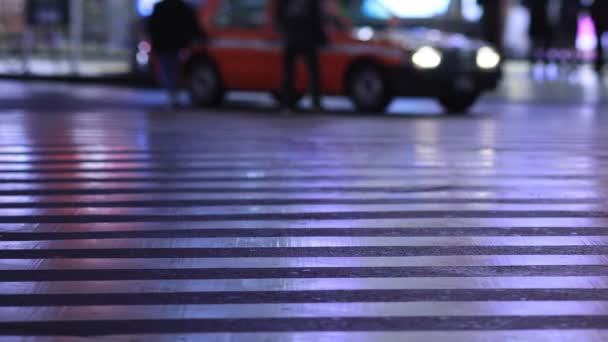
x=599 y=68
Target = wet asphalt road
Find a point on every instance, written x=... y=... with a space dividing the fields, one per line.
x=121 y=220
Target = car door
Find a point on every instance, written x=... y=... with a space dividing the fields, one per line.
x=243 y=43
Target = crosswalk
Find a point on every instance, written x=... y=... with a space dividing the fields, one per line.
x=133 y=226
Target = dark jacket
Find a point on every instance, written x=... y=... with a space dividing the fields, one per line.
x=492 y=10
x=599 y=13
x=567 y=28
x=491 y=21
x=300 y=22
x=540 y=27
x=173 y=26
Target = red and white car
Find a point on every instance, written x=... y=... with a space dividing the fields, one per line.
x=369 y=65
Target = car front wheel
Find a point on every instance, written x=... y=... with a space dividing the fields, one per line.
x=369 y=89
x=204 y=85
x=458 y=103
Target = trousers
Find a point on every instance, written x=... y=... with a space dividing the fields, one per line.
x=290 y=57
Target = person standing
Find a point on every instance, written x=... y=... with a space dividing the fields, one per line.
x=300 y=23
x=567 y=30
x=599 y=14
x=541 y=34
x=492 y=21
x=172 y=26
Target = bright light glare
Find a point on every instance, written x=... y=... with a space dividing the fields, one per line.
x=144 y=47
x=471 y=11
x=416 y=8
x=487 y=58
x=142 y=58
x=427 y=58
x=365 y=33
x=145 y=7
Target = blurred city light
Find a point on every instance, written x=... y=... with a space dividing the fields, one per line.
x=427 y=58
x=487 y=58
x=365 y=33
x=100 y=38
x=145 y=7
x=413 y=8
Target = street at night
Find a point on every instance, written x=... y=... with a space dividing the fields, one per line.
x=304 y=170
x=124 y=220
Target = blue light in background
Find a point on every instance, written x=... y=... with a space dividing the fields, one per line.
x=471 y=11
x=145 y=7
x=376 y=10
x=416 y=8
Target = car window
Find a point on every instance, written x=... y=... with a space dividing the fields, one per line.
x=379 y=13
x=241 y=14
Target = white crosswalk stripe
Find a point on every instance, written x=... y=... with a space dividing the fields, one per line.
x=306 y=228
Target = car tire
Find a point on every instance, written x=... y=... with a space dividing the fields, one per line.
x=369 y=89
x=458 y=103
x=205 y=85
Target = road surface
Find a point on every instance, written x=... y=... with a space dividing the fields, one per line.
x=127 y=222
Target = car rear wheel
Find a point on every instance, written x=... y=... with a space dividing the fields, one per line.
x=458 y=103
x=368 y=89
x=204 y=85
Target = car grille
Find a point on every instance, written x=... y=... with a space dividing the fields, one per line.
x=457 y=60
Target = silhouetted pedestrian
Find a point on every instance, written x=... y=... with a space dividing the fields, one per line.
x=568 y=23
x=567 y=30
x=492 y=22
x=172 y=27
x=540 y=31
x=599 y=14
x=300 y=23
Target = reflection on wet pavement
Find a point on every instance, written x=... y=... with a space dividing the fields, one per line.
x=214 y=225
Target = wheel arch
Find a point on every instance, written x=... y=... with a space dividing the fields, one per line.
x=381 y=101
x=360 y=62
x=188 y=69
x=201 y=57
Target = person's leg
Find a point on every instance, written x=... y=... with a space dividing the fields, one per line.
x=169 y=65
x=27 y=43
x=599 y=58
x=548 y=44
x=289 y=64
x=312 y=60
x=533 y=52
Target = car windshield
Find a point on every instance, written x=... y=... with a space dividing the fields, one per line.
x=380 y=13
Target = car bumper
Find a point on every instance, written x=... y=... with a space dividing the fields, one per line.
x=431 y=83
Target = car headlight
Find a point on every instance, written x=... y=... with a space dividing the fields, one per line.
x=487 y=58
x=427 y=58
x=365 y=33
